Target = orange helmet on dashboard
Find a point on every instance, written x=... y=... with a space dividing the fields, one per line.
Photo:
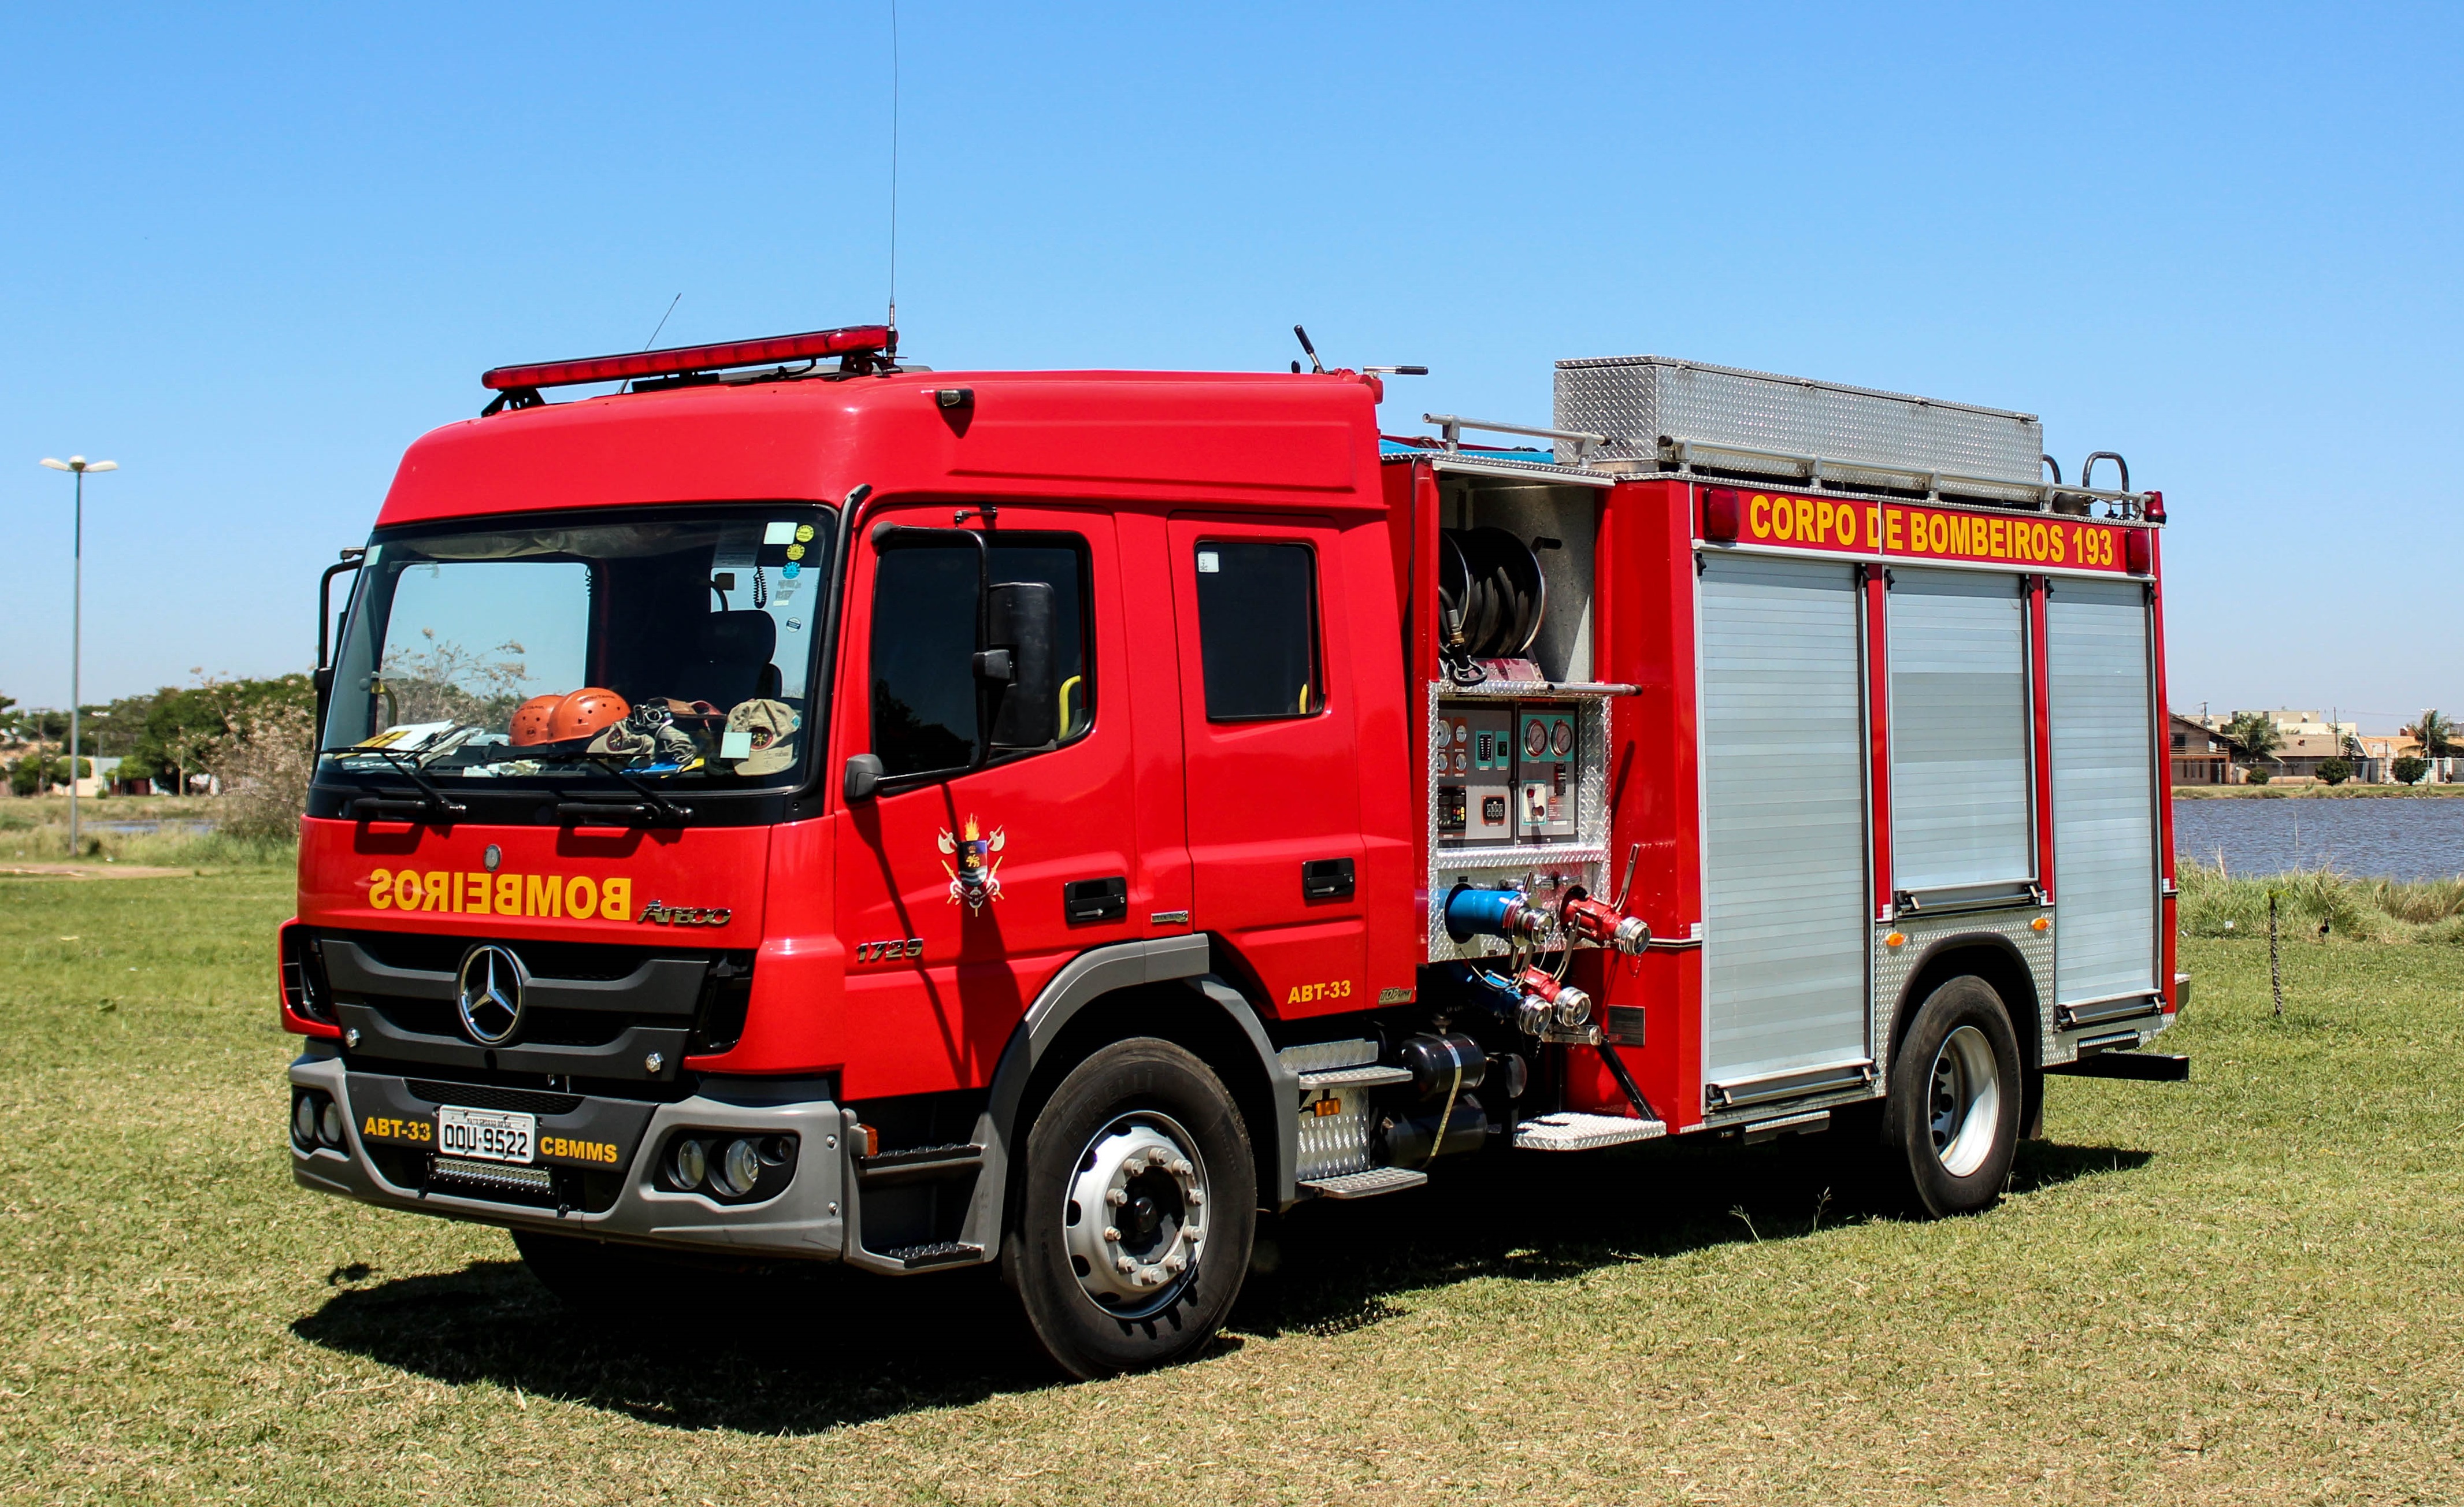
x=580 y=714
x=532 y=719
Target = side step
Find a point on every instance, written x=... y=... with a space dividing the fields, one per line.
x=1369 y=1184
x=1578 y=1132
x=1368 y=1075
x=2144 y=1067
x=940 y=1253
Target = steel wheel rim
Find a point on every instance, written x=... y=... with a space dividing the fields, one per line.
x=1963 y=1102
x=1134 y=1219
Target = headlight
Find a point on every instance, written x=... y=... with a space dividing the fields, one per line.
x=689 y=1163
x=738 y=1169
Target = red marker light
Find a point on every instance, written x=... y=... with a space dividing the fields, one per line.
x=2139 y=553
x=691 y=358
x=1720 y=515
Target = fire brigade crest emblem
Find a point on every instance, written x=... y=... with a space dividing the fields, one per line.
x=971 y=858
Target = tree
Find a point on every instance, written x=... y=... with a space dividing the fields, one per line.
x=2255 y=735
x=2335 y=770
x=2436 y=734
x=2409 y=768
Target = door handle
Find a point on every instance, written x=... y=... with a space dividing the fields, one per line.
x=1084 y=900
x=1326 y=878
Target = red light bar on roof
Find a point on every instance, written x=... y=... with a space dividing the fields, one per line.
x=691 y=358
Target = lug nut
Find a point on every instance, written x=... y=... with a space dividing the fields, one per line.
x=1182 y=1168
x=1123 y=1263
x=1197 y=1196
x=1111 y=1235
x=1155 y=1155
x=1117 y=1197
x=1175 y=1262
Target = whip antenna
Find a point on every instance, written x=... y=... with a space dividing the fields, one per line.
x=663 y=321
x=893 y=171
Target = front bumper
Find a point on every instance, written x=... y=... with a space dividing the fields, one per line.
x=803 y=1222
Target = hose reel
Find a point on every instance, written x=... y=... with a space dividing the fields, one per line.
x=1491 y=596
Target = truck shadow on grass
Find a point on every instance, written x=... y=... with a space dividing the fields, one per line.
x=812 y=1354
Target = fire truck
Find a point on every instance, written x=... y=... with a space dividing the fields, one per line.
x=803 y=807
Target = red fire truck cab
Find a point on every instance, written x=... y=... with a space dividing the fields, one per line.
x=801 y=808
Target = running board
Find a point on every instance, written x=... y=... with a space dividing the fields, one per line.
x=1367 y=1185
x=1368 y=1075
x=939 y=1252
x=2146 y=1068
x=1580 y=1132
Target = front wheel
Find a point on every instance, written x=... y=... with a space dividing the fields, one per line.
x=1954 y=1105
x=1136 y=1213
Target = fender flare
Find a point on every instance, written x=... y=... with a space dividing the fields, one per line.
x=1084 y=980
x=1904 y=1009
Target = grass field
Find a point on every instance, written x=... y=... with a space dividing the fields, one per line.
x=2242 y=1289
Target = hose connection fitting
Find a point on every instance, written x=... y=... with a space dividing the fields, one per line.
x=1600 y=924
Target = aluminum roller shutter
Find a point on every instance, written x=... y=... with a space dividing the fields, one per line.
x=1962 y=788
x=2105 y=790
x=1785 y=852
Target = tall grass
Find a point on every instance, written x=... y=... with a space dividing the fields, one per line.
x=2215 y=903
x=36 y=830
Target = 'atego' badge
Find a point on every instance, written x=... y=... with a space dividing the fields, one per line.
x=976 y=878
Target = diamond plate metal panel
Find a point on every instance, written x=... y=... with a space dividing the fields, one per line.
x=1637 y=399
x=1894 y=966
x=1538 y=867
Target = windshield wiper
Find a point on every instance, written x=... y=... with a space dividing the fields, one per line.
x=432 y=806
x=653 y=809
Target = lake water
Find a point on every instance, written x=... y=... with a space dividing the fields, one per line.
x=2396 y=837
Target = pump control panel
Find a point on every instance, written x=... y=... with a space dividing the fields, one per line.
x=1544 y=765
x=1472 y=775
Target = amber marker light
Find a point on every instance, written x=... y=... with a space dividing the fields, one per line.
x=2041 y=924
x=1896 y=939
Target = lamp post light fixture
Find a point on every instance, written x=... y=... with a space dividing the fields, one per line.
x=77 y=465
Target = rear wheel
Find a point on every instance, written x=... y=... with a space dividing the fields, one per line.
x=1955 y=1099
x=1136 y=1213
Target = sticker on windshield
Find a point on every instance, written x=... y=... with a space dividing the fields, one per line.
x=784 y=533
x=803 y=533
x=791 y=570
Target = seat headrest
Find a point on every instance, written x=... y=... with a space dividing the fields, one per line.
x=738 y=638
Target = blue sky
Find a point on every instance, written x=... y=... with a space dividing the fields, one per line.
x=252 y=252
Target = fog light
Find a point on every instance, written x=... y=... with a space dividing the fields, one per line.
x=738 y=1169
x=691 y=1162
x=329 y=1124
x=303 y=1119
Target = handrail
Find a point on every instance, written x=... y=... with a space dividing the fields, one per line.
x=1450 y=427
x=1683 y=452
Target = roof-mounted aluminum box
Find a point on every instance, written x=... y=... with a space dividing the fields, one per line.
x=1666 y=414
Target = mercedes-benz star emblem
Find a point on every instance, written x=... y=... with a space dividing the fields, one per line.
x=490 y=995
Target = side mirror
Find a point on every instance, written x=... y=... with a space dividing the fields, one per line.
x=1018 y=627
x=863 y=775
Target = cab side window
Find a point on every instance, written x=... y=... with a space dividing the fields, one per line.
x=924 y=689
x=1258 y=631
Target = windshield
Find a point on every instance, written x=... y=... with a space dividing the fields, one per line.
x=675 y=647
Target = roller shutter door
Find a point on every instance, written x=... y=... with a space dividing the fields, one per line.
x=1784 y=847
x=2105 y=790
x=1962 y=789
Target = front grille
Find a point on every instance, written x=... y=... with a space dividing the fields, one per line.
x=482 y=1096
x=437 y=952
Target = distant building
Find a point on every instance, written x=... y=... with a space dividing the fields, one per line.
x=2200 y=755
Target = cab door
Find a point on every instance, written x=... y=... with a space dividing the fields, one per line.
x=973 y=871
x=1271 y=762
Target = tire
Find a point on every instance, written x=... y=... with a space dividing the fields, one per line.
x=1956 y=1099
x=1126 y=1139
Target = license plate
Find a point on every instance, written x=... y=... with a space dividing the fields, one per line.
x=487 y=1135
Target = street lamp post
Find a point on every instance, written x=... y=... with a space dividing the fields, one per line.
x=78 y=465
